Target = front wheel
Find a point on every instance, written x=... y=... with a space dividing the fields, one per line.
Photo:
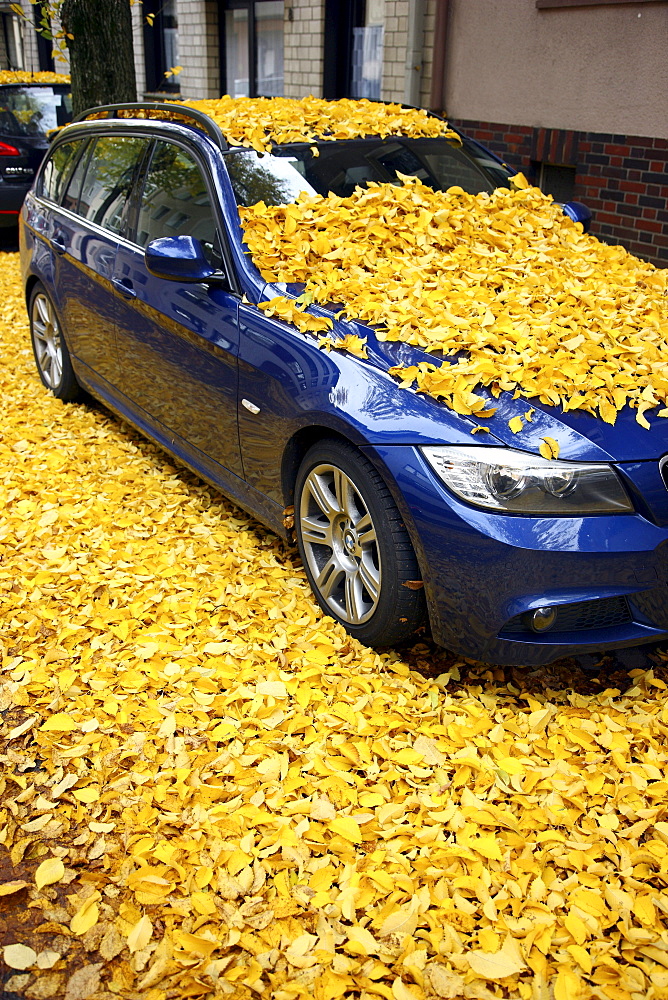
x=51 y=355
x=354 y=546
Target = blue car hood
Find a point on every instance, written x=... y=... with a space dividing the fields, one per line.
x=581 y=436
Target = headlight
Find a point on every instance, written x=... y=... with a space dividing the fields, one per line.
x=514 y=481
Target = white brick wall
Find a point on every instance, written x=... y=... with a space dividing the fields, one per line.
x=304 y=47
x=198 y=48
x=428 y=51
x=394 y=54
x=138 y=45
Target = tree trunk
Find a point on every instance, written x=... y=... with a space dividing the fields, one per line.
x=102 y=63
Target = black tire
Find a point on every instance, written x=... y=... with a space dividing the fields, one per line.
x=49 y=348
x=355 y=549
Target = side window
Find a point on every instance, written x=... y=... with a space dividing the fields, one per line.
x=108 y=180
x=57 y=169
x=73 y=190
x=175 y=200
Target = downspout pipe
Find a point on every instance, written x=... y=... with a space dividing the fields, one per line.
x=414 y=52
x=438 y=67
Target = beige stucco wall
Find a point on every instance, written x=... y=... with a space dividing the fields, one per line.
x=598 y=69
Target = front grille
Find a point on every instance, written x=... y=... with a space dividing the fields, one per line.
x=605 y=613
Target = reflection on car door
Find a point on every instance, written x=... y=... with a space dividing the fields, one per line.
x=84 y=238
x=178 y=341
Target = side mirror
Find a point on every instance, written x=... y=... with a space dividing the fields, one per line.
x=578 y=212
x=178 y=258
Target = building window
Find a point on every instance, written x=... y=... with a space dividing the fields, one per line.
x=11 y=43
x=557 y=180
x=161 y=46
x=252 y=47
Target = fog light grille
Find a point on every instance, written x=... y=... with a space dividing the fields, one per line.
x=576 y=617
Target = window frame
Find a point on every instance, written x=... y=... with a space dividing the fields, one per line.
x=248 y=5
x=228 y=271
x=95 y=139
x=39 y=183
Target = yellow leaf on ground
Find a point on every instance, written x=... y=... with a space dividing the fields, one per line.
x=50 y=871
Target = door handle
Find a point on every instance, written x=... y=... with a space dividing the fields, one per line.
x=126 y=290
x=59 y=246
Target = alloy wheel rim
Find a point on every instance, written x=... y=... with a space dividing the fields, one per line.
x=340 y=544
x=47 y=341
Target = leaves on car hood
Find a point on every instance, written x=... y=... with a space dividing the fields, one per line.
x=528 y=302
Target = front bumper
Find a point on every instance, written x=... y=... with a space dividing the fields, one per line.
x=482 y=570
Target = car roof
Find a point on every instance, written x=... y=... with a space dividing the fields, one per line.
x=263 y=123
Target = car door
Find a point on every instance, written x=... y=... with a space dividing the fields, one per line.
x=178 y=341
x=84 y=238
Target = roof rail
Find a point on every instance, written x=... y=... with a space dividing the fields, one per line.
x=174 y=111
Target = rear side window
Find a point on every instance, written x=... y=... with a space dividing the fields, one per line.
x=73 y=190
x=175 y=201
x=57 y=169
x=108 y=180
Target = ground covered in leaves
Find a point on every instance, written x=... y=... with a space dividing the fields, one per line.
x=209 y=790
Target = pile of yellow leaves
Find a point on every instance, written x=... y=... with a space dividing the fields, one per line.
x=259 y=122
x=536 y=306
x=209 y=790
x=22 y=76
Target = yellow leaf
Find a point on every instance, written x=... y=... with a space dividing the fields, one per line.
x=61 y=722
x=346 y=827
x=494 y=966
x=516 y=424
x=581 y=956
x=567 y=985
x=488 y=847
x=549 y=448
x=7 y=888
x=140 y=934
x=203 y=902
x=361 y=942
x=85 y=917
x=519 y=181
x=50 y=871
x=402 y=992
x=88 y=794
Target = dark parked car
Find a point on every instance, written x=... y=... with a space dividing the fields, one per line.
x=28 y=111
x=140 y=290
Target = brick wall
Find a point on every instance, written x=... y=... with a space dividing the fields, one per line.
x=303 y=41
x=622 y=178
x=394 y=50
x=198 y=48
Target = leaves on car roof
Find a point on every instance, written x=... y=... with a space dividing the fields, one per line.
x=260 y=122
x=22 y=76
x=526 y=300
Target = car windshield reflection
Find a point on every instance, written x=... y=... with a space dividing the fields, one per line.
x=278 y=178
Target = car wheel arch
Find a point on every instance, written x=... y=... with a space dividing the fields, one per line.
x=293 y=454
x=297 y=447
x=31 y=281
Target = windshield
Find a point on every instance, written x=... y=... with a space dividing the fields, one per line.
x=339 y=167
x=33 y=110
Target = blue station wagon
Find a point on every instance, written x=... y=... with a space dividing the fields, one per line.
x=141 y=291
